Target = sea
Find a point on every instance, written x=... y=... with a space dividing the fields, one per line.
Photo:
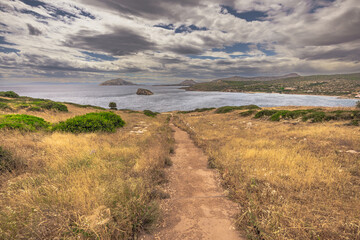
x=166 y=98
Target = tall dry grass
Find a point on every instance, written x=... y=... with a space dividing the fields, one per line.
x=293 y=180
x=84 y=186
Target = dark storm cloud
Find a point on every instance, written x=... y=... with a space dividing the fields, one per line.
x=118 y=43
x=144 y=8
x=33 y=30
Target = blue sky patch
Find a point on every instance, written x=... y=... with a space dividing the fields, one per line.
x=3 y=41
x=237 y=47
x=8 y=50
x=317 y=6
x=33 y=3
x=98 y=57
x=249 y=16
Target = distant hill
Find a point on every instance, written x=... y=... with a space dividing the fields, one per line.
x=346 y=85
x=116 y=82
x=262 y=78
x=187 y=83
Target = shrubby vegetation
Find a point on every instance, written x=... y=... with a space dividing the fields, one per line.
x=91 y=122
x=313 y=115
x=4 y=106
x=227 y=109
x=23 y=122
x=9 y=94
x=150 y=113
x=112 y=105
x=30 y=104
x=196 y=110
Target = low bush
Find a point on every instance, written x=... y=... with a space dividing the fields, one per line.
x=7 y=163
x=34 y=109
x=357 y=104
x=50 y=105
x=247 y=113
x=23 y=122
x=265 y=113
x=9 y=94
x=112 y=105
x=227 y=109
x=91 y=122
x=4 y=106
x=197 y=110
x=150 y=113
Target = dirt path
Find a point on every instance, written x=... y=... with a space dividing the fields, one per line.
x=197 y=207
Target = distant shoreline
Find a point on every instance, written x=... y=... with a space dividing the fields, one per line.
x=305 y=94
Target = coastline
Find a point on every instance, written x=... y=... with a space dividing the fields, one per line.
x=304 y=94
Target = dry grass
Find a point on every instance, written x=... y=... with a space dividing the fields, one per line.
x=84 y=186
x=293 y=180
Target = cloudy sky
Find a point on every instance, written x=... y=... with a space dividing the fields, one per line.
x=172 y=40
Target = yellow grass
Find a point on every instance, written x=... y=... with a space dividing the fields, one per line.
x=293 y=180
x=97 y=186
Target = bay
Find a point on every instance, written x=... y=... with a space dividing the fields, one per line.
x=166 y=98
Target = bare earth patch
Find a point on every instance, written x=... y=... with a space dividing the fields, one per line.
x=197 y=207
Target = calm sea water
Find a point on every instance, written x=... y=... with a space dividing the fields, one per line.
x=165 y=98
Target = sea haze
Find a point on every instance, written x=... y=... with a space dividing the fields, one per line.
x=165 y=98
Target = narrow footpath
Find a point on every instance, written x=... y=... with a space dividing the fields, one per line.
x=197 y=207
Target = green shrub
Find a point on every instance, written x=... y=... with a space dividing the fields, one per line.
x=315 y=117
x=197 y=110
x=91 y=122
x=357 y=104
x=265 y=113
x=23 y=122
x=4 y=106
x=9 y=94
x=50 y=105
x=247 y=113
x=150 y=113
x=112 y=105
x=34 y=109
x=227 y=109
x=7 y=163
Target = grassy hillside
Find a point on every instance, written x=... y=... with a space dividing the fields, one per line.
x=104 y=184
x=295 y=175
x=334 y=85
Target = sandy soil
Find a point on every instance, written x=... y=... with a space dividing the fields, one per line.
x=197 y=207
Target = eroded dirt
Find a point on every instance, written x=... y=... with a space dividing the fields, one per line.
x=197 y=207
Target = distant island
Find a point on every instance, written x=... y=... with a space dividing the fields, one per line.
x=142 y=91
x=116 y=82
x=345 y=85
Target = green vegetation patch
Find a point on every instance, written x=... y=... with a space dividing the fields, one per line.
x=197 y=110
x=9 y=94
x=4 y=106
x=227 y=109
x=313 y=115
x=7 y=163
x=248 y=113
x=50 y=105
x=150 y=113
x=23 y=122
x=91 y=122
